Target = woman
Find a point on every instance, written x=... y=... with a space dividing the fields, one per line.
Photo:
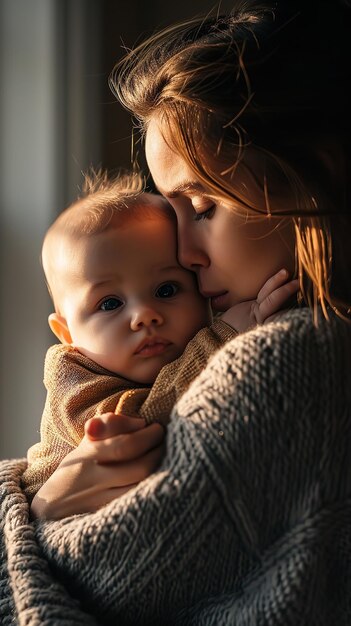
x=248 y=519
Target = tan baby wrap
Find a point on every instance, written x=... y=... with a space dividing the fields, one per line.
x=78 y=389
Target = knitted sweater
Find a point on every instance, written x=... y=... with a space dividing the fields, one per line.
x=246 y=523
x=78 y=388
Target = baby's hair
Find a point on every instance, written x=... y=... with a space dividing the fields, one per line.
x=103 y=196
x=103 y=199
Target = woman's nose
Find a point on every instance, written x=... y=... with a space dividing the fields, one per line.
x=190 y=253
x=144 y=316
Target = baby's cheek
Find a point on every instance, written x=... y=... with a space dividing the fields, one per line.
x=204 y=312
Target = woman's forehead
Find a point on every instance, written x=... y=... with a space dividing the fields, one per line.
x=255 y=180
x=171 y=174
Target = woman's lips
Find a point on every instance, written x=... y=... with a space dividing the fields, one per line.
x=219 y=300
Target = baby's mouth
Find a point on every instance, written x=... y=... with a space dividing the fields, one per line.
x=152 y=346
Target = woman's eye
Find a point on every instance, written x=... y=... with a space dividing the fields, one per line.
x=205 y=215
x=110 y=304
x=167 y=290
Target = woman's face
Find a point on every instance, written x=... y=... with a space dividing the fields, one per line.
x=232 y=255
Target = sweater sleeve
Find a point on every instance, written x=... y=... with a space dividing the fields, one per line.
x=251 y=460
x=175 y=378
x=77 y=389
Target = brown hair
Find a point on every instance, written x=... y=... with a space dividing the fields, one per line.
x=272 y=78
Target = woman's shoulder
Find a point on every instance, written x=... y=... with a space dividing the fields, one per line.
x=294 y=356
x=284 y=381
x=291 y=337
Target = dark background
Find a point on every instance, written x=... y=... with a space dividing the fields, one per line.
x=124 y=24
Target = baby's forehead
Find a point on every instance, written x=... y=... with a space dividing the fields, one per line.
x=152 y=205
x=148 y=209
x=81 y=231
x=149 y=235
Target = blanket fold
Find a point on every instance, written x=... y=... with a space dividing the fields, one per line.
x=27 y=581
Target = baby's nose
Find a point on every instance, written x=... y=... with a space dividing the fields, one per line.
x=145 y=316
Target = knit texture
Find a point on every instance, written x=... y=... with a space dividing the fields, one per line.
x=78 y=389
x=246 y=523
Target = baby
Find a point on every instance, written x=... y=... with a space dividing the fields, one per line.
x=133 y=327
x=124 y=308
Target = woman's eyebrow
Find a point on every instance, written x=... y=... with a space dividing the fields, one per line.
x=185 y=187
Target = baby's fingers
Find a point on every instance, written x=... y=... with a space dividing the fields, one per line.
x=274 y=282
x=277 y=300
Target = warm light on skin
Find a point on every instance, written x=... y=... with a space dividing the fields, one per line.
x=229 y=252
x=129 y=263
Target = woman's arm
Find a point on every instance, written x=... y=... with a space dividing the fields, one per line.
x=243 y=458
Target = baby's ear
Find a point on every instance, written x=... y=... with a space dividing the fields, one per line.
x=59 y=327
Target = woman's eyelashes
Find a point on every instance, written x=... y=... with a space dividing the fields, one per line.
x=204 y=214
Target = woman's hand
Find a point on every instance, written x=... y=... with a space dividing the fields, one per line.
x=115 y=454
x=271 y=300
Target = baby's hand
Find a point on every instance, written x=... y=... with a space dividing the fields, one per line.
x=275 y=293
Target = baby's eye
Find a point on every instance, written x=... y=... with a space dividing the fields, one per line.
x=110 y=304
x=167 y=290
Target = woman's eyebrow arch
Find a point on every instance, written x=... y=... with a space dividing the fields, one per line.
x=185 y=187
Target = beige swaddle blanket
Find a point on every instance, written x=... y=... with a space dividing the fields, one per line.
x=78 y=389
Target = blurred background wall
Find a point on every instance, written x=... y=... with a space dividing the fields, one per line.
x=57 y=117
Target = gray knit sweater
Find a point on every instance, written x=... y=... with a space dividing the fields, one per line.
x=246 y=523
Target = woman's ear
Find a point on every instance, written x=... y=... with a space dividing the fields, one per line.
x=59 y=327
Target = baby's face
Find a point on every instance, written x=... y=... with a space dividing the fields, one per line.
x=129 y=305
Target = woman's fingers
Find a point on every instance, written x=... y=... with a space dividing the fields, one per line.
x=117 y=449
x=131 y=472
x=87 y=501
x=129 y=446
x=80 y=485
x=109 y=425
x=90 y=503
x=101 y=469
